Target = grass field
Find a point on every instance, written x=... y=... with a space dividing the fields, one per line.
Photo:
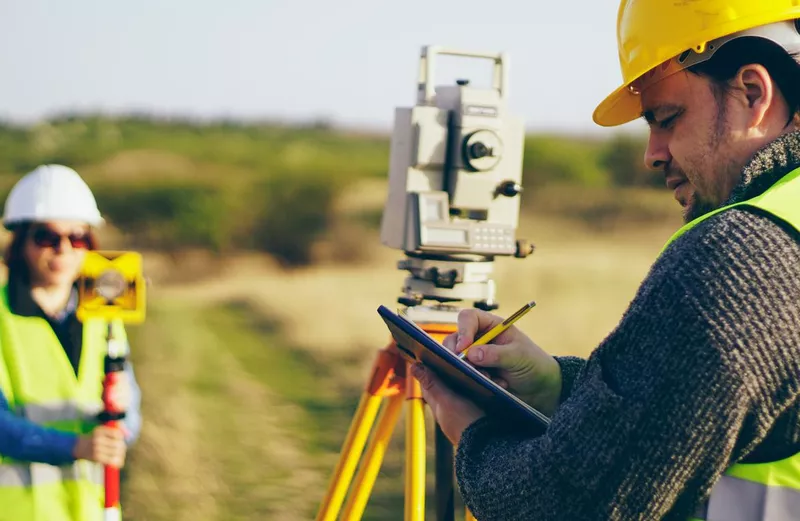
x=261 y=245
x=251 y=374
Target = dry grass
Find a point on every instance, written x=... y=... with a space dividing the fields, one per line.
x=582 y=282
x=217 y=443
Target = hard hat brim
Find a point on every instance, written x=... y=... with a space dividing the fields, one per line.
x=620 y=107
x=10 y=224
x=624 y=105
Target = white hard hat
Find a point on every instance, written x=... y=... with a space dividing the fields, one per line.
x=48 y=193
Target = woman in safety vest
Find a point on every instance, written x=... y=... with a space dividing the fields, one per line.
x=52 y=447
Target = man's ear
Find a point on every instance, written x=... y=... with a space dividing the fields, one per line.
x=759 y=91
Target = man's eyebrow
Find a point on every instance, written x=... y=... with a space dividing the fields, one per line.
x=650 y=114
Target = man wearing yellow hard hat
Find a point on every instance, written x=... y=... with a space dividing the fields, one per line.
x=690 y=407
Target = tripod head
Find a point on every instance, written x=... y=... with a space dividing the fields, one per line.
x=454 y=183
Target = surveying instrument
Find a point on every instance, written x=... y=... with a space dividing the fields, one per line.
x=111 y=288
x=452 y=207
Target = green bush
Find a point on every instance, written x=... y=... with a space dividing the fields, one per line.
x=282 y=216
x=288 y=215
x=168 y=216
x=623 y=158
x=557 y=160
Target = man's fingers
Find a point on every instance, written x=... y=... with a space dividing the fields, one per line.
x=450 y=341
x=491 y=355
x=470 y=323
x=426 y=379
x=501 y=382
x=467 y=328
x=433 y=391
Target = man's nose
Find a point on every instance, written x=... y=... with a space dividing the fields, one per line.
x=657 y=154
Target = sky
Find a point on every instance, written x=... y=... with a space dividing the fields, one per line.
x=348 y=62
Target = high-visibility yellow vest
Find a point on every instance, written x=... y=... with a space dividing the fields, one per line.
x=40 y=384
x=760 y=491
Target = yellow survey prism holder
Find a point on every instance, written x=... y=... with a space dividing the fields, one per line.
x=499 y=328
x=111 y=285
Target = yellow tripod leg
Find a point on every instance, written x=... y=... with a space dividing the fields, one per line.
x=470 y=517
x=415 y=452
x=443 y=464
x=373 y=458
x=351 y=453
x=387 y=377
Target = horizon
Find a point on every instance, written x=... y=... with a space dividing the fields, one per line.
x=321 y=124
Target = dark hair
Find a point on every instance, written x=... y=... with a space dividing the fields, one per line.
x=15 y=251
x=782 y=67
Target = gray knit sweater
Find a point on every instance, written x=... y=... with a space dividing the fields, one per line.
x=702 y=371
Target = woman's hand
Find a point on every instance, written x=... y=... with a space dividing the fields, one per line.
x=104 y=445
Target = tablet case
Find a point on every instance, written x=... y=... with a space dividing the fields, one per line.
x=417 y=346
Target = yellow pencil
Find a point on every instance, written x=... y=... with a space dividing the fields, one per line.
x=499 y=328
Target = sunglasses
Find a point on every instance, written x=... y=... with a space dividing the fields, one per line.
x=46 y=238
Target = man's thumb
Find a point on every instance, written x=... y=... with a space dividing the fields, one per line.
x=424 y=376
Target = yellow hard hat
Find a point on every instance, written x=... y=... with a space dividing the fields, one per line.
x=657 y=38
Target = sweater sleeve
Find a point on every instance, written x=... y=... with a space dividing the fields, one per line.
x=23 y=440
x=701 y=365
x=571 y=367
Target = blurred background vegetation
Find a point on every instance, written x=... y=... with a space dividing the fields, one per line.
x=261 y=246
x=228 y=186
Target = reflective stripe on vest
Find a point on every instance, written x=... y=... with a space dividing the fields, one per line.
x=40 y=384
x=762 y=491
x=27 y=474
x=736 y=499
x=49 y=413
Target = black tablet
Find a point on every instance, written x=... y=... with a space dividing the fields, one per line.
x=417 y=346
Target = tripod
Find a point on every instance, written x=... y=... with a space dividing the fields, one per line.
x=390 y=380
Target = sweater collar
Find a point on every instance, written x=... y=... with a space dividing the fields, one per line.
x=767 y=167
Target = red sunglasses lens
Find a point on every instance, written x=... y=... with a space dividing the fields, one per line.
x=45 y=238
x=79 y=242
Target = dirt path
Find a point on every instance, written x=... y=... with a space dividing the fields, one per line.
x=217 y=443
